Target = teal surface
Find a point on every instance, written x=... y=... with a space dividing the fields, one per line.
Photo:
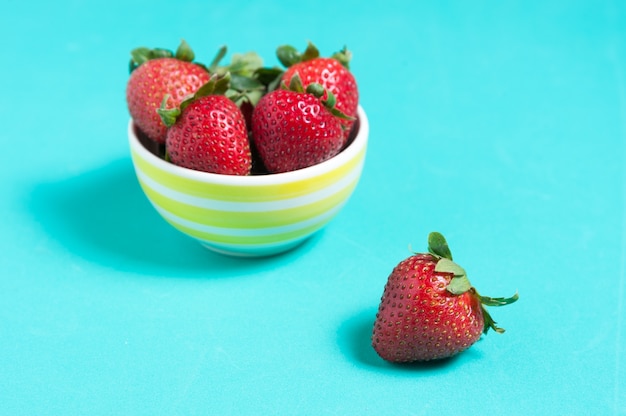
x=501 y=124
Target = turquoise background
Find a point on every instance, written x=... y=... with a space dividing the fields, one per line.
x=501 y=124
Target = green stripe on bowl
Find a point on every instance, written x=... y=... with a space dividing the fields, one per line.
x=253 y=240
x=245 y=193
x=255 y=219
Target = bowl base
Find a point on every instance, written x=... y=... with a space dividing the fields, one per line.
x=254 y=251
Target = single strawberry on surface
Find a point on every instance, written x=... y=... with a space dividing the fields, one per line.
x=429 y=310
x=208 y=131
x=332 y=73
x=154 y=74
x=293 y=128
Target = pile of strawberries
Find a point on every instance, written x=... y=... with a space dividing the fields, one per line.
x=243 y=118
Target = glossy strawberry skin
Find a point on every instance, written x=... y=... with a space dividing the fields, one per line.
x=293 y=130
x=151 y=81
x=210 y=135
x=334 y=77
x=419 y=319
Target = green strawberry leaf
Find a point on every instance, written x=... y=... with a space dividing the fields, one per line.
x=239 y=97
x=142 y=54
x=157 y=53
x=244 y=83
x=438 y=246
x=311 y=52
x=295 y=83
x=168 y=115
x=330 y=102
x=267 y=76
x=254 y=96
x=459 y=285
x=344 y=57
x=339 y=114
x=490 y=323
x=245 y=64
x=331 y=99
x=445 y=265
x=288 y=55
x=485 y=300
x=217 y=85
x=314 y=88
x=221 y=53
x=184 y=52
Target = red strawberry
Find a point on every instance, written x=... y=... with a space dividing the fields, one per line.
x=208 y=132
x=332 y=73
x=156 y=73
x=429 y=310
x=294 y=129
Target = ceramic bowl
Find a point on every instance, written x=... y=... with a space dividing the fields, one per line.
x=257 y=215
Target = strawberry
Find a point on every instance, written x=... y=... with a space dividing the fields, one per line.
x=208 y=131
x=156 y=73
x=429 y=310
x=293 y=128
x=332 y=73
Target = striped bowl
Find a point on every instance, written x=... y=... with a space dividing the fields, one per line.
x=257 y=215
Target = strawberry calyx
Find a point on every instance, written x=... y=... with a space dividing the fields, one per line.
x=289 y=56
x=270 y=77
x=242 y=69
x=317 y=90
x=217 y=85
x=459 y=284
x=142 y=54
x=344 y=56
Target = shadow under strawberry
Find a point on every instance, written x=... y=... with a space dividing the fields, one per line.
x=354 y=338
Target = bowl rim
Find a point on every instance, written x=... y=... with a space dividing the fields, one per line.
x=347 y=154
